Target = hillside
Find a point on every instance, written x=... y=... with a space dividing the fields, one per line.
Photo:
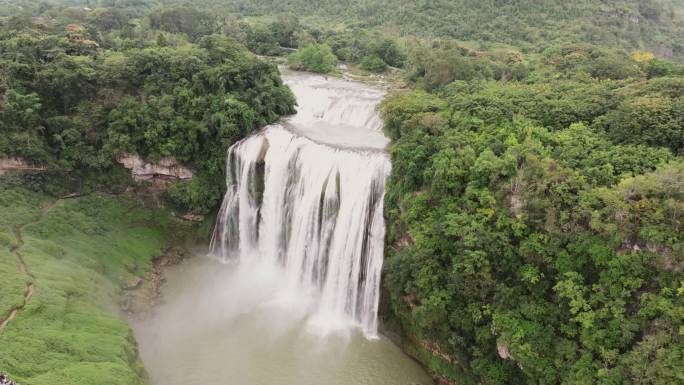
x=652 y=25
x=535 y=226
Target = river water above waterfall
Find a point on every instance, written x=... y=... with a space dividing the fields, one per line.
x=290 y=293
x=335 y=111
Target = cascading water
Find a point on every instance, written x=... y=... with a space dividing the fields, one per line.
x=301 y=232
x=308 y=195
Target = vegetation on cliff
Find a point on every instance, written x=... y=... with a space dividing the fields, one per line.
x=75 y=97
x=535 y=219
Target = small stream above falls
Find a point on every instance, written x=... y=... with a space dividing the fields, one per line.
x=289 y=294
x=336 y=112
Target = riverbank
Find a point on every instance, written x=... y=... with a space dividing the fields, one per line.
x=65 y=264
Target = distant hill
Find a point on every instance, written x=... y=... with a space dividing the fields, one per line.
x=653 y=25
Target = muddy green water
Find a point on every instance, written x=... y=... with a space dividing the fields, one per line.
x=241 y=324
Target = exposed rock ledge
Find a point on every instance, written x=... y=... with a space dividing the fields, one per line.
x=18 y=164
x=168 y=168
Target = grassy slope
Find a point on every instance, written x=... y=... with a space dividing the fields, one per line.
x=79 y=253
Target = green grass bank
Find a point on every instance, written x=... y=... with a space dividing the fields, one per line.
x=77 y=253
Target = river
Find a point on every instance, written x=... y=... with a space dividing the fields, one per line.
x=289 y=294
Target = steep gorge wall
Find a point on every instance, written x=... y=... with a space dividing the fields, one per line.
x=166 y=169
x=8 y=165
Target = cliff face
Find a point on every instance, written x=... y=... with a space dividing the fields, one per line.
x=18 y=164
x=167 y=169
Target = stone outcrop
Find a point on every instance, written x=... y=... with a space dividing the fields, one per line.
x=167 y=169
x=503 y=351
x=18 y=164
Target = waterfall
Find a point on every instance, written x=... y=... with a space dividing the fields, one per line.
x=312 y=208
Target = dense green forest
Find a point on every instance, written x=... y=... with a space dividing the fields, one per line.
x=535 y=210
x=77 y=96
x=536 y=225
x=654 y=25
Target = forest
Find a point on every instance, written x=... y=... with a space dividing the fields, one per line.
x=536 y=225
x=535 y=210
x=653 y=25
x=77 y=96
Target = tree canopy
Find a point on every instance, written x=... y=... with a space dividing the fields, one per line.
x=73 y=104
x=535 y=218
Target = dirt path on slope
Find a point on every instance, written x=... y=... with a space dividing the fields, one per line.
x=23 y=268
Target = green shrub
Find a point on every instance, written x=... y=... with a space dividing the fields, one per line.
x=373 y=63
x=197 y=196
x=314 y=57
